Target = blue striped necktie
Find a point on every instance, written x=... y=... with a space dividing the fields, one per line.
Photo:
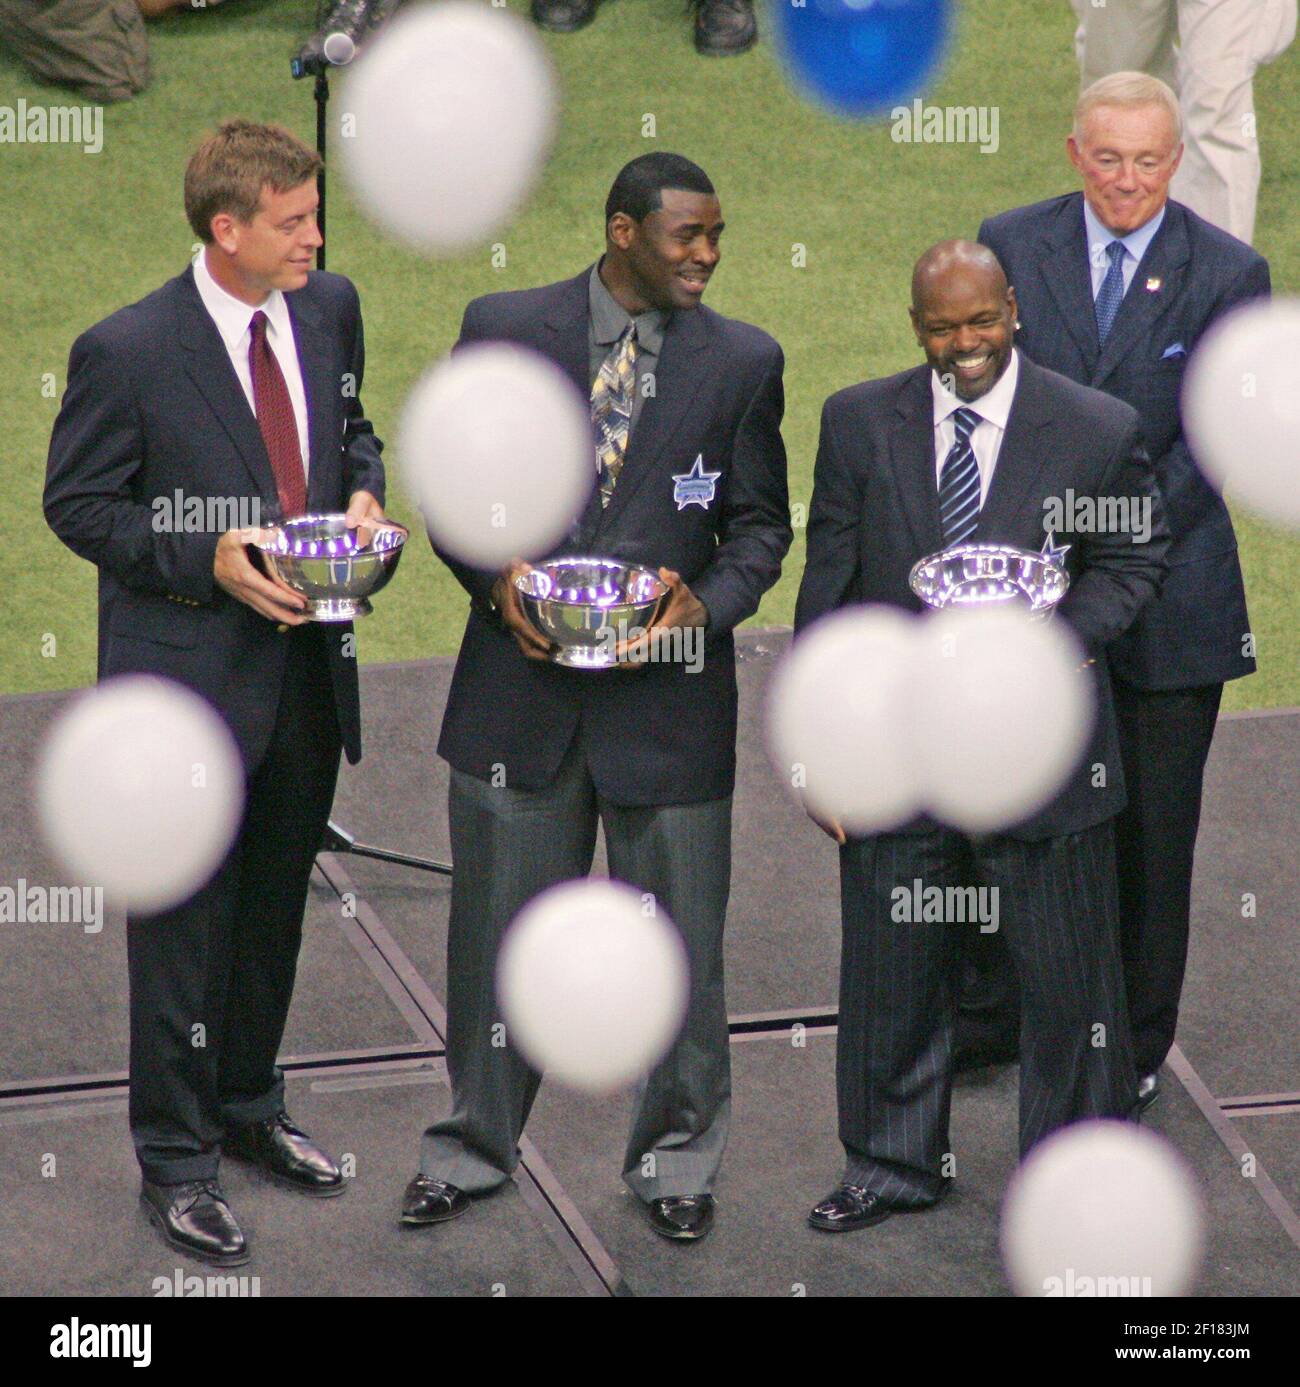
x=959 y=483
x=1111 y=293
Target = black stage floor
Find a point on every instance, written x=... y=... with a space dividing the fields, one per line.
x=363 y=1054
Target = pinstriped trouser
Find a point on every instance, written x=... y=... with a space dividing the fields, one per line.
x=898 y=991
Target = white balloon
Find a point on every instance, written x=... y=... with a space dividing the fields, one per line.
x=1241 y=407
x=999 y=715
x=139 y=789
x=497 y=449
x=1102 y=1208
x=835 y=714
x=592 y=987
x=446 y=119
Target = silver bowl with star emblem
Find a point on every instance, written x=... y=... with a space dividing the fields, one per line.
x=337 y=569
x=586 y=607
x=981 y=575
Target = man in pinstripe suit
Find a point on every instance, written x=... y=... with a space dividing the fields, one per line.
x=978 y=446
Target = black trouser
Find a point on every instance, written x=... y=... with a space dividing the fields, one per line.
x=1165 y=738
x=211 y=979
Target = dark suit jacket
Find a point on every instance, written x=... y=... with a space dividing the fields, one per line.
x=660 y=734
x=875 y=512
x=153 y=406
x=1193 y=632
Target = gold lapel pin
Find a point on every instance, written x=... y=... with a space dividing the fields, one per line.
x=1152 y=285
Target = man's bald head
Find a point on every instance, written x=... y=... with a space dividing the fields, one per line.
x=962 y=258
x=964 y=315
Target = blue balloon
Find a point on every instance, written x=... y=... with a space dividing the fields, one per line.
x=862 y=57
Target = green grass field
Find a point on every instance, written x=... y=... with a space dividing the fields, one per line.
x=80 y=235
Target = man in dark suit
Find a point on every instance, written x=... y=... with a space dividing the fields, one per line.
x=1116 y=286
x=979 y=446
x=236 y=382
x=688 y=478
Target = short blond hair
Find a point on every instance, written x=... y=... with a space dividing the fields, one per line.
x=1127 y=89
x=228 y=171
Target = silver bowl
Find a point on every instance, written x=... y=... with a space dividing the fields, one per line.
x=989 y=574
x=585 y=607
x=336 y=569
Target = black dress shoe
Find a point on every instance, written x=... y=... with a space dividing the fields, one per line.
x=195 y=1218
x=688 y=1216
x=849 y=1207
x=724 y=26
x=432 y=1201
x=287 y=1154
x=563 y=16
x=1148 y=1091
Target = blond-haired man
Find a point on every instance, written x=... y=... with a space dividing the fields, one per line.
x=237 y=381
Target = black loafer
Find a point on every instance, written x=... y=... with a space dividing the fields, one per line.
x=848 y=1208
x=563 y=16
x=1148 y=1091
x=195 y=1218
x=688 y=1217
x=432 y=1201
x=287 y=1154
x=723 y=27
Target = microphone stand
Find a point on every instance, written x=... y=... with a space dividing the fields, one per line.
x=322 y=95
x=335 y=838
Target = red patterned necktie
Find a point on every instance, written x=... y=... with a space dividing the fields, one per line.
x=274 y=411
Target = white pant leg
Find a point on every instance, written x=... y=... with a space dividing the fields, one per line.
x=1125 y=35
x=1221 y=43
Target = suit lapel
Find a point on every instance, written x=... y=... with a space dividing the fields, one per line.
x=207 y=363
x=566 y=341
x=683 y=368
x=911 y=456
x=314 y=357
x=1020 y=459
x=1162 y=265
x=1065 y=270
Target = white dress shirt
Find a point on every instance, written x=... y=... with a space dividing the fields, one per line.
x=1100 y=236
x=234 y=322
x=986 y=437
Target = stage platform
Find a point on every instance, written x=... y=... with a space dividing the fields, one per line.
x=363 y=1055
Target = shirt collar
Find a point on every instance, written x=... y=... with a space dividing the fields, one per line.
x=1136 y=242
x=231 y=315
x=995 y=406
x=609 y=319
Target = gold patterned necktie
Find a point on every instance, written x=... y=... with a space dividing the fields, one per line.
x=611 y=409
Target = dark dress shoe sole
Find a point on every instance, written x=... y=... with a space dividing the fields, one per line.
x=544 y=21
x=427 y=1221
x=214 y=1259
x=683 y=1235
x=710 y=49
x=826 y=1225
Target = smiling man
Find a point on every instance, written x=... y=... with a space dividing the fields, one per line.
x=1117 y=284
x=236 y=382
x=688 y=478
x=966 y=449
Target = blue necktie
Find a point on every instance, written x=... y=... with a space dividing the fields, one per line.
x=959 y=483
x=1111 y=293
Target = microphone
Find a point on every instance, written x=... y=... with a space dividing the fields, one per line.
x=335 y=43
